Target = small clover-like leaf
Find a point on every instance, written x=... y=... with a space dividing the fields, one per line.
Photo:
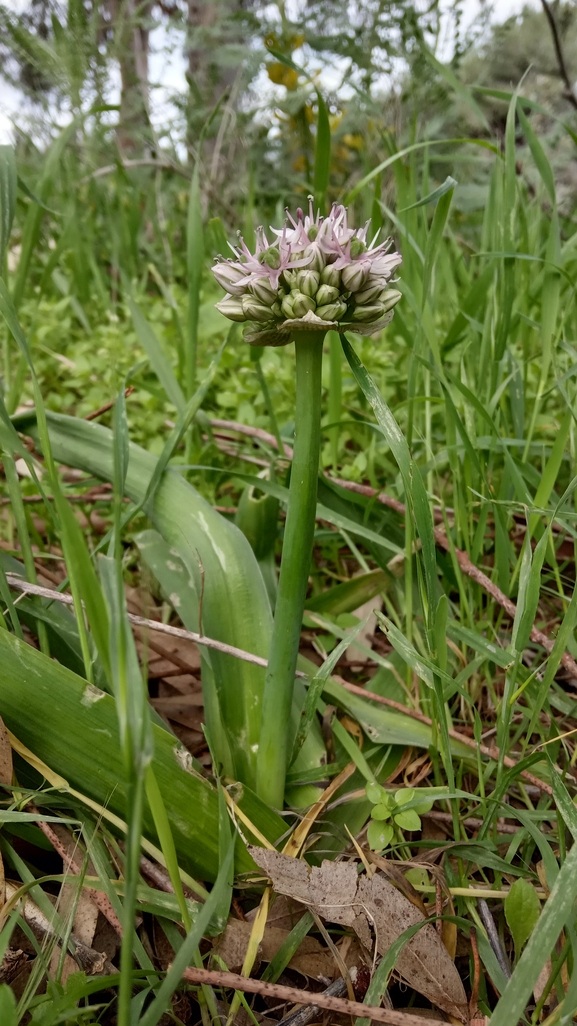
x=379 y=835
x=404 y=795
x=408 y=820
x=374 y=793
x=423 y=807
x=381 y=812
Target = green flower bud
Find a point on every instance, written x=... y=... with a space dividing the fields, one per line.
x=261 y=288
x=228 y=276
x=271 y=257
x=301 y=304
x=391 y=298
x=317 y=259
x=255 y=311
x=326 y=294
x=330 y=276
x=307 y=282
x=332 y=311
x=367 y=314
x=232 y=308
x=289 y=278
x=354 y=276
x=357 y=247
x=276 y=309
x=369 y=295
x=287 y=306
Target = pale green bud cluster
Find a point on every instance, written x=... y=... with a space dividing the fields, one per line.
x=351 y=294
x=317 y=272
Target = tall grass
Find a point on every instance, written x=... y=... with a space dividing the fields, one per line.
x=463 y=411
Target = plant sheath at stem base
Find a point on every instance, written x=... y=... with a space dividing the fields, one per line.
x=294 y=572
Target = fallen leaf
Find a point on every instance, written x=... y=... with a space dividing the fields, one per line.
x=6 y=769
x=335 y=892
x=311 y=959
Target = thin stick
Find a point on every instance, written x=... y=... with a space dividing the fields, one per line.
x=100 y=900
x=474 y=1002
x=310 y=1012
x=250 y=432
x=178 y=632
x=233 y=981
x=493 y=937
x=154 y=625
x=108 y=406
x=490 y=752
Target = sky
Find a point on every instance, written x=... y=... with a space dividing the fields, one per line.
x=167 y=70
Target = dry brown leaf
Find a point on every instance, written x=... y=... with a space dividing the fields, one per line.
x=311 y=959
x=337 y=893
x=6 y=769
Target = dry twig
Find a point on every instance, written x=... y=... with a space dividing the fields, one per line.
x=217 y=978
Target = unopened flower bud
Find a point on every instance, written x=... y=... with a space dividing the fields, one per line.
x=316 y=257
x=262 y=289
x=367 y=313
x=228 y=275
x=331 y=276
x=391 y=298
x=307 y=282
x=287 y=306
x=369 y=295
x=271 y=257
x=254 y=310
x=232 y=308
x=354 y=276
x=302 y=304
x=326 y=294
x=276 y=309
x=357 y=247
x=376 y=311
x=332 y=311
x=289 y=277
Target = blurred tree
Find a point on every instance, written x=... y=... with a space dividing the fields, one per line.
x=130 y=22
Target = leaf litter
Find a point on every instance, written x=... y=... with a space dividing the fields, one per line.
x=378 y=913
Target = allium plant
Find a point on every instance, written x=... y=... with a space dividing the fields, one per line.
x=318 y=274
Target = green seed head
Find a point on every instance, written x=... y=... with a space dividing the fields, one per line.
x=357 y=247
x=271 y=257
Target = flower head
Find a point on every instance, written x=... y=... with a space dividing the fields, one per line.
x=316 y=274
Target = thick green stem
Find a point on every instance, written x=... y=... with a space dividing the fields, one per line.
x=294 y=572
